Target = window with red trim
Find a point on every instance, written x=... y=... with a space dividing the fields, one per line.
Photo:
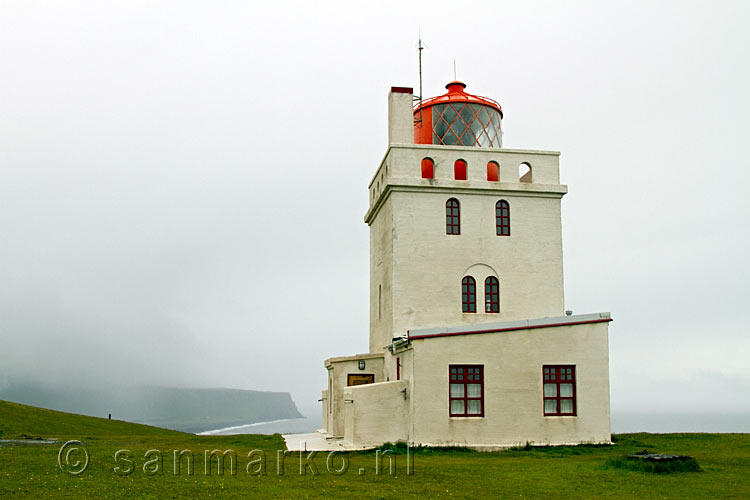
x=459 y=170
x=559 y=387
x=468 y=295
x=466 y=390
x=491 y=295
x=428 y=168
x=502 y=218
x=452 y=217
x=493 y=171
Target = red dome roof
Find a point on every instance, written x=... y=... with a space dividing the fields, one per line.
x=456 y=93
x=458 y=118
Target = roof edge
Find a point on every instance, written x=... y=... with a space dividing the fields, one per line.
x=509 y=326
x=356 y=357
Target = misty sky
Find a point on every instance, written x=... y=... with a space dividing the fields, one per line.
x=183 y=183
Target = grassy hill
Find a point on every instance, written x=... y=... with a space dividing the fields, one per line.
x=555 y=472
x=22 y=421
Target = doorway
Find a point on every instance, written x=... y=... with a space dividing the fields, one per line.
x=360 y=379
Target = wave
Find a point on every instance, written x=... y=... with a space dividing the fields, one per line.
x=235 y=427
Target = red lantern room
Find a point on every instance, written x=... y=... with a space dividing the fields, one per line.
x=458 y=119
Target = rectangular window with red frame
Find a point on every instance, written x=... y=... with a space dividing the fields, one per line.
x=466 y=390
x=559 y=388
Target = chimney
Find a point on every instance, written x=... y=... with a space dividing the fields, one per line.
x=400 y=115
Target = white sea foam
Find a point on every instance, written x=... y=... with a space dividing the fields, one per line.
x=238 y=429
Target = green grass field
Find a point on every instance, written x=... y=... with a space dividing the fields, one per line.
x=555 y=472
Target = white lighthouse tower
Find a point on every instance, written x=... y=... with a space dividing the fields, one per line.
x=469 y=340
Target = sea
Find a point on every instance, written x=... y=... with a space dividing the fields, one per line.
x=655 y=422
x=622 y=422
x=284 y=426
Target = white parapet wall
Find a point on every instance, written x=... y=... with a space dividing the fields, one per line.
x=376 y=413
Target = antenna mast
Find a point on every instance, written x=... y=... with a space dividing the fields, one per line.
x=420 y=47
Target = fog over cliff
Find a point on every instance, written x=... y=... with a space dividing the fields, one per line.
x=183 y=184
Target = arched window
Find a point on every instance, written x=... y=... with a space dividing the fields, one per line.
x=491 y=295
x=468 y=295
x=459 y=170
x=452 y=217
x=428 y=168
x=493 y=171
x=502 y=218
x=524 y=173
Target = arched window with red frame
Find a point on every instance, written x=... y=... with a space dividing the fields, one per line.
x=493 y=171
x=452 y=217
x=468 y=295
x=428 y=168
x=459 y=170
x=502 y=218
x=491 y=295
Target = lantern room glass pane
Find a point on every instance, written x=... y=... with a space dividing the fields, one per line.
x=448 y=112
x=466 y=124
x=467 y=114
x=483 y=115
x=483 y=140
x=457 y=130
x=450 y=138
x=477 y=127
x=468 y=138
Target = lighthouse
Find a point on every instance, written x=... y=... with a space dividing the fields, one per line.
x=469 y=340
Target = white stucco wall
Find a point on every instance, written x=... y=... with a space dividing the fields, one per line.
x=381 y=274
x=513 y=387
x=389 y=364
x=416 y=268
x=376 y=413
x=338 y=371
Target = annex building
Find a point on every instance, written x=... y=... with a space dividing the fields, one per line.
x=470 y=343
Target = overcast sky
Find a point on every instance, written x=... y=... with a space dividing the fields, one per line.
x=183 y=183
